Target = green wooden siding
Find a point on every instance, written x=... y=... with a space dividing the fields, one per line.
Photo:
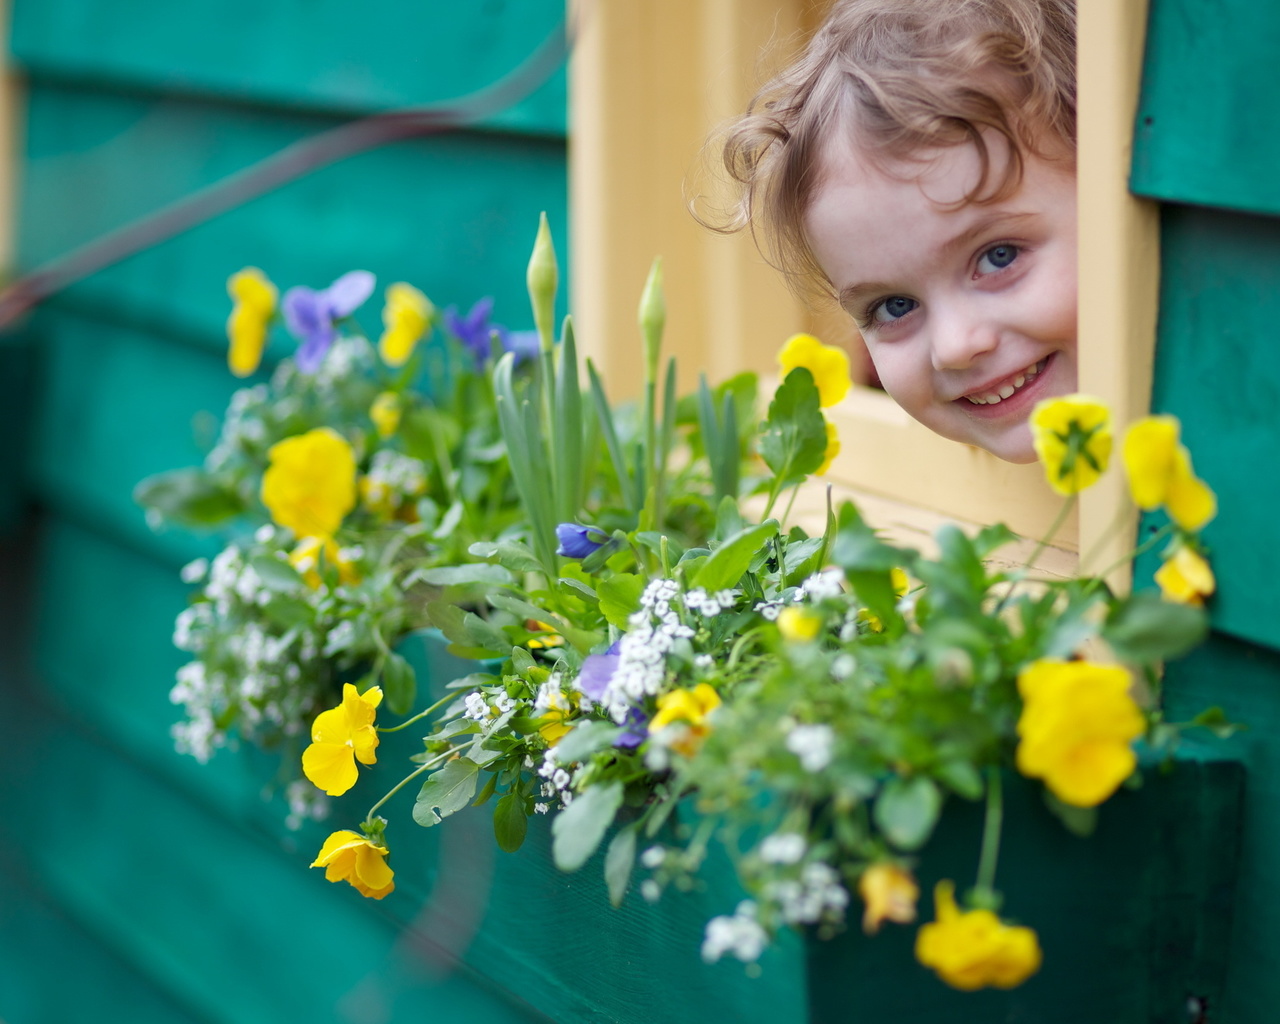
x=172 y=886
x=1207 y=145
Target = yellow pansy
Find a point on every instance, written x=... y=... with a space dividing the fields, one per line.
x=1186 y=578
x=348 y=857
x=555 y=722
x=385 y=413
x=310 y=484
x=890 y=894
x=798 y=625
x=340 y=737
x=1072 y=437
x=1077 y=727
x=406 y=317
x=690 y=707
x=306 y=559
x=254 y=299
x=1159 y=471
x=828 y=364
x=975 y=949
x=833 y=449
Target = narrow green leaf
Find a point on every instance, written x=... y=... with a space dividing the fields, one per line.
x=446 y=791
x=453 y=575
x=509 y=554
x=619 y=861
x=1145 y=628
x=510 y=823
x=577 y=830
x=190 y=497
x=487 y=790
x=604 y=416
x=275 y=573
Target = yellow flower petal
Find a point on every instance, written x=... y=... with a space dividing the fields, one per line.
x=254 y=300
x=341 y=736
x=798 y=625
x=1159 y=470
x=1186 y=578
x=833 y=449
x=1072 y=438
x=890 y=894
x=385 y=413
x=310 y=484
x=828 y=364
x=305 y=558
x=406 y=316
x=975 y=949
x=1190 y=502
x=330 y=767
x=352 y=858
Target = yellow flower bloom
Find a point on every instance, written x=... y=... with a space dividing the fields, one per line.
x=690 y=707
x=555 y=722
x=1077 y=726
x=975 y=949
x=1072 y=437
x=310 y=484
x=890 y=894
x=346 y=856
x=254 y=299
x=406 y=317
x=1160 y=473
x=798 y=625
x=306 y=559
x=385 y=413
x=1186 y=578
x=833 y=449
x=828 y=364
x=340 y=737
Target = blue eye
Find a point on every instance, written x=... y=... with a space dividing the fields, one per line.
x=895 y=307
x=997 y=258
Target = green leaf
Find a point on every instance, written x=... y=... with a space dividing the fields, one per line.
x=399 y=684
x=907 y=810
x=619 y=861
x=510 y=823
x=728 y=518
x=794 y=440
x=288 y=612
x=585 y=739
x=620 y=596
x=961 y=777
x=446 y=791
x=1080 y=821
x=992 y=537
x=509 y=554
x=521 y=660
x=730 y=560
x=190 y=497
x=275 y=573
x=486 y=791
x=857 y=547
x=1146 y=628
x=452 y=575
x=578 y=829
x=1216 y=721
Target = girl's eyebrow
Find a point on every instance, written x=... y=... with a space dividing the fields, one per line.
x=961 y=241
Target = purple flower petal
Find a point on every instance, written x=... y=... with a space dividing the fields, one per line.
x=525 y=344
x=597 y=670
x=578 y=541
x=635 y=731
x=304 y=312
x=349 y=292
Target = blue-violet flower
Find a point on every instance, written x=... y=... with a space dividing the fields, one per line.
x=310 y=314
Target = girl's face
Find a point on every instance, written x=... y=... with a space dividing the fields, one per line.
x=968 y=311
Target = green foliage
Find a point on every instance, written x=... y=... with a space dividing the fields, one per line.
x=447 y=791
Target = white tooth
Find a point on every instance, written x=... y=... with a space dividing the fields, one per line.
x=1006 y=391
x=976 y=401
x=1019 y=380
x=992 y=399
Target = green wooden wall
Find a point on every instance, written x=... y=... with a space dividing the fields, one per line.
x=132 y=878
x=1207 y=146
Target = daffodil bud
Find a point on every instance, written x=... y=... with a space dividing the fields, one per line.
x=653 y=317
x=543 y=277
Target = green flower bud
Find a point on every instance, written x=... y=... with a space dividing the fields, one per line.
x=543 y=277
x=653 y=317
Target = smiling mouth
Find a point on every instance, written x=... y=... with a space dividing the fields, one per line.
x=1010 y=387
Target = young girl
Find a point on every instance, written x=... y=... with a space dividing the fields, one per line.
x=918 y=161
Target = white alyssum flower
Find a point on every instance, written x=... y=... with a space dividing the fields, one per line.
x=339 y=638
x=643 y=649
x=769 y=609
x=824 y=585
x=812 y=744
x=475 y=707
x=194 y=571
x=783 y=848
x=740 y=935
x=815 y=895
x=653 y=857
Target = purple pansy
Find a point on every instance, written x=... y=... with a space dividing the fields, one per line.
x=475 y=331
x=578 y=541
x=593 y=679
x=310 y=314
x=635 y=730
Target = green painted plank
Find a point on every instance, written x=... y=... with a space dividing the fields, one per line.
x=1208 y=121
x=1218 y=369
x=321 y=53
x=1245 y=680
x=1133 y=921
x=212 y=914
x=454 y=214
x=34 y=935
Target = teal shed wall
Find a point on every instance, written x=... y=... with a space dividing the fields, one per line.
x=131 y=878
x=1207 y=146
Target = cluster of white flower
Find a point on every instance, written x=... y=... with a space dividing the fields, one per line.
x=783 y=848
x=392 y=478
x=550 y=696
x=339 y=638
x=770 y=609
x=557 y=780
x=306 y=802
x=345 y=355
x=232 y=578
x=740 y=935
x=815 y=895
x=642 y=651
x=241 y=421
x=812 y=744
x=197 y=734
x=708 y=605
x=824 y=585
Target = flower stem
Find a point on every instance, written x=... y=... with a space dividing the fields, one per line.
x=991 y=833
x=427 y=766
x=1063 y=512
x=421 y=714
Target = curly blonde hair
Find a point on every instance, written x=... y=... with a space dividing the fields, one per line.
x=901 y=77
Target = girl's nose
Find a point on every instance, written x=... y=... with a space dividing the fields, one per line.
x=959 y=337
